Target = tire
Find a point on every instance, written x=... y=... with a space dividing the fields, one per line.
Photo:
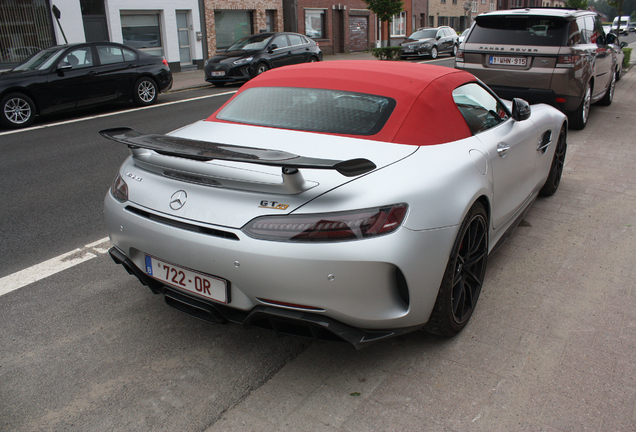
x=218 y=84
x=578 y=119
x=609 y=93
x=556 y=168
x=260 y=68
x=619 y=71
x=145 y=92
x=454 y=52
x=434 y=53
x=18 y=111
x=463 y=277
x=313 y=59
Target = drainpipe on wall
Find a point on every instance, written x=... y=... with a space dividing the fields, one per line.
x=204 y=31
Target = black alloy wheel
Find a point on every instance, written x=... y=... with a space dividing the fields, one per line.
x=464 y=276
x=556 y=169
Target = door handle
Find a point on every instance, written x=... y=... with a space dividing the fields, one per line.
x=502 y=149
x=91 y=73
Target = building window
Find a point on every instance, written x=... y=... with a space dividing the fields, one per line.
x=442 y=21
x=230 y=26
x=492 y=5
x=475 y=6
x=142 y=31
x=25 y=28
x=398 y=25
x=315 y=23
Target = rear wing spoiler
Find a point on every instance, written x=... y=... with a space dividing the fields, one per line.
x=206 y=151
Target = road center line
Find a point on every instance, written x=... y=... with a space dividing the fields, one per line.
x=54 y=265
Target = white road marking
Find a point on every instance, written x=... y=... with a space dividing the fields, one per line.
x=113 y=113
x=54 y=265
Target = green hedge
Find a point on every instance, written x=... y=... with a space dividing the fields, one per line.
x=387 y=53
x=628 y=55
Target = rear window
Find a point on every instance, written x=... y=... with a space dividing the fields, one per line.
x=519 y=30
x=307 y=109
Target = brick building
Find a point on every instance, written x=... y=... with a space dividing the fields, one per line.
x=338 y=28
x=229 y=20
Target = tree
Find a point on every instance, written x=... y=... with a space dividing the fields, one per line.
x=618 y=4
x=385 y=9
x=576 y=4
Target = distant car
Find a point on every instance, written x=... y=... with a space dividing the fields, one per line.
x=74 y=76
x=463 y=35
x=326 y=201
x=617 y=52
x=632 y=26
x=431 y=42
x=252 y=55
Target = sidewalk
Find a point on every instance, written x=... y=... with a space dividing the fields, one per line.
x=550 y=347
x=194 y=79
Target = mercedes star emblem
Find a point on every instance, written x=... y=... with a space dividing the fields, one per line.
x=178 y=199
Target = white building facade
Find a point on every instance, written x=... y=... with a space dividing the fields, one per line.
x=171 y=28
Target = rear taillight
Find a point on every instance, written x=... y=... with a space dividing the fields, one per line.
x=166 y=62
x=119 y=189
x=568 y=59
x=459 y=56
x=324 y=227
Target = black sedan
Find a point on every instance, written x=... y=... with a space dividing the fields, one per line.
x=253 y=55
x=74 y=76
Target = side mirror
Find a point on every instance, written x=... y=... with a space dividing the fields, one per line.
x=438 y=37
x=520 y=109
x=273 y=47
x=64 y=66
x=624 y=44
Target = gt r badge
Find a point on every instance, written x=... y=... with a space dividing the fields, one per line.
x=178 y=199
x=273 y=205
x=133 y=176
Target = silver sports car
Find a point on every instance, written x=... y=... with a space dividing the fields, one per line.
x=347 y=200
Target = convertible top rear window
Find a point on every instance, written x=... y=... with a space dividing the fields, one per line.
x=307 y=109
x=519 y=30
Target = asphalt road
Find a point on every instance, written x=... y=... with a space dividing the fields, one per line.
x=56 y=176
x=89 y=348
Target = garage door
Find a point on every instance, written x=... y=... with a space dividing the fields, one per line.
x=359 y=33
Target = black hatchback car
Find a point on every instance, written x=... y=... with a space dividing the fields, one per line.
x=253 y=55
x=75 y=76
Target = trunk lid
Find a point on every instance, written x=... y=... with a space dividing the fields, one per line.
x=231 y=193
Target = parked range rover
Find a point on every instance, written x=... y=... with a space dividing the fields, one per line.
x=557 y=56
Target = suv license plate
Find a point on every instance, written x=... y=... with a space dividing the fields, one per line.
x=204 y=285
x=220 y=73
x=510 y=61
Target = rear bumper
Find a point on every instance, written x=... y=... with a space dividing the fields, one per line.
x=282 y=321
x=535 y=96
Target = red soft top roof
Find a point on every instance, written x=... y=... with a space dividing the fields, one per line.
x=425 y=112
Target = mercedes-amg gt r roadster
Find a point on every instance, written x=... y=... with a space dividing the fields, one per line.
x=344 y=200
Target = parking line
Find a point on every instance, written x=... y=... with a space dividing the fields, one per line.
x=54 y=265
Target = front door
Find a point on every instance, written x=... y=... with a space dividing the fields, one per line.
x=183 y=29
